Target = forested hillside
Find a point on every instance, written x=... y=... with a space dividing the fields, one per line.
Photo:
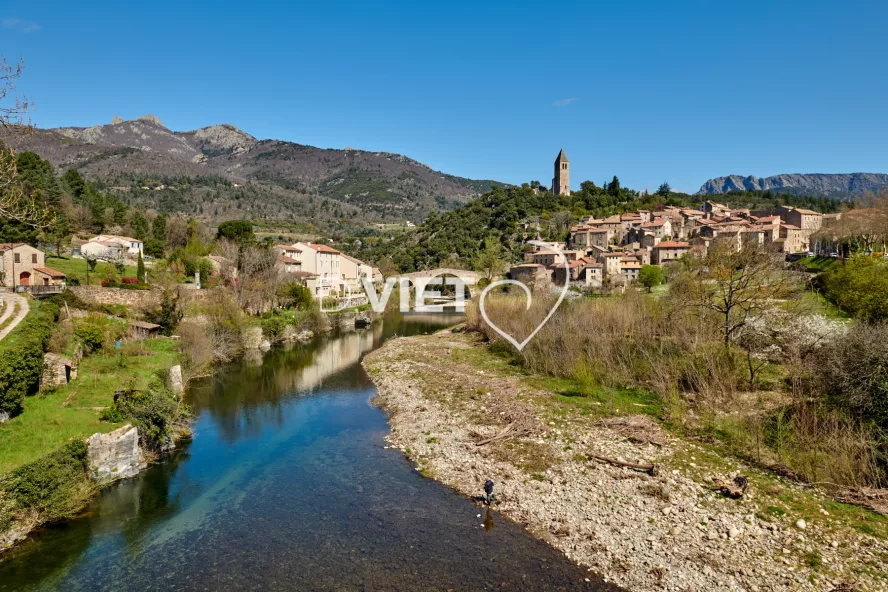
x=221 y=173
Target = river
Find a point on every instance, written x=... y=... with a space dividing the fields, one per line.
x=288 y=485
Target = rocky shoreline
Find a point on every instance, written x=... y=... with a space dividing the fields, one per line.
x=669 y=532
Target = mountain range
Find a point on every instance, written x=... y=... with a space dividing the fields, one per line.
x=220 y=172
x=838 y=186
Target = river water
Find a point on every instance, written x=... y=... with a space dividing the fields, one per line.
x=287 y=485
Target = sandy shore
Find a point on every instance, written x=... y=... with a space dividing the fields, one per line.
x=672 y=531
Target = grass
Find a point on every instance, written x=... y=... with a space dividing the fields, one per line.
x=819 y=304
x=76 y=268
x=57 y=416
x=818 y=264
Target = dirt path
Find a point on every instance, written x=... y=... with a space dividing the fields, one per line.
x=672 y=532
x=11 y=301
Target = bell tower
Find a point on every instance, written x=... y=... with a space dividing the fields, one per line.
x=561 y=181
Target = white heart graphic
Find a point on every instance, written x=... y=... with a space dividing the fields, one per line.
x=506 y=336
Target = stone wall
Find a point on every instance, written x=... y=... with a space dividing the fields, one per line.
x=98 y=295
x=115 y=455
x=144 y=299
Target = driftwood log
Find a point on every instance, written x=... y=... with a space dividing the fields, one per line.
x=650 y=469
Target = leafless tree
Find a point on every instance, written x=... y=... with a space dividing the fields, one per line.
x=16 y=203
x=252 y=273
x=734 y=285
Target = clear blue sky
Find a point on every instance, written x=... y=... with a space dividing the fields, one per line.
x=649 y=91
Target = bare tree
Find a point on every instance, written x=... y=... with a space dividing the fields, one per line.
x=252 y=273
x=734 y=285
x=16 y=203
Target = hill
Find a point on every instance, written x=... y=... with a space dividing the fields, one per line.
x=220 y=172
x=846 y=186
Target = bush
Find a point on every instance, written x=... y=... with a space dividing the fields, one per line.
x=129 y=280
x=852 y=372
x=92 y=336
x=859 y=287
x=273 y=327
x=21 y=356
x=155 y=411
x=55 y=485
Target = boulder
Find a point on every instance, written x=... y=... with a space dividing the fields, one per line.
x=4 y=416
x=115 y=455
x=176 y=383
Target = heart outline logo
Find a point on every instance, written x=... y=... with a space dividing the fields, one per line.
x=520 y=345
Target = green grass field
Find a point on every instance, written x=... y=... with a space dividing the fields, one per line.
x=53 y=418
x=76 y=268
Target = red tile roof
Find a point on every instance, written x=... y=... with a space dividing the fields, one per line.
x=50 y=272
x=672 y=245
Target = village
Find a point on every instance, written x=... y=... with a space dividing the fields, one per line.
x=609 y=253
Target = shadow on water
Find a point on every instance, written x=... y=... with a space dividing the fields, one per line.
x=287 y=486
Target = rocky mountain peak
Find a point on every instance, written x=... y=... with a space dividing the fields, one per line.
x=818 y=184
x=152 y=119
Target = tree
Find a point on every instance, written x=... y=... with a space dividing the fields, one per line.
x=734 y=284
x=650 y=276
x=236 y=230
x=140 y=269
x=664 y=190
x=158 y=228
x=490 y=260
x=139 y=224
x=17 y=203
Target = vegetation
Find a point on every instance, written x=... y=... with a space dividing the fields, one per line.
x=509 y=216
x=860 y=286
x=55 y=486
x=159 y=415
x=730 y=353
x=21 y=356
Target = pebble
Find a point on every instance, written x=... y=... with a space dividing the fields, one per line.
x=802 y=524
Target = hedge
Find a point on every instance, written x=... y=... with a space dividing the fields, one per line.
x=56 y=485
x=21 y=356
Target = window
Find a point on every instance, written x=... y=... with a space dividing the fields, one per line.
x=17 y=258
x=33 y=257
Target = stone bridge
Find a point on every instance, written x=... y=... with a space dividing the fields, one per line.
x=470 y=278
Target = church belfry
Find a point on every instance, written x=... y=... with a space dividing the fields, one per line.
x=561 y=181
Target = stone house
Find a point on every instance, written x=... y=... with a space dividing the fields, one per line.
x=630 y=267
x=546 y=258
x=592 y=275
x=532 y=274
x=24 y=265
x=669 y=250
x=611 y=263
x=806 y=220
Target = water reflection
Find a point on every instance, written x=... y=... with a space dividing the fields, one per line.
x=287 y=486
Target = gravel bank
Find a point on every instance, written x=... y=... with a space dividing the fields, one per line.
x=669 y=532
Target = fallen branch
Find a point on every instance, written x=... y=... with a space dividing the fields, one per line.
x=499 y=436
x=650 y=469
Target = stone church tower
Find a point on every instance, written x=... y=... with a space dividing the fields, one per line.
x=561 y=182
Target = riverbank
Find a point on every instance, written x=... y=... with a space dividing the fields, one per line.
x=464 y=415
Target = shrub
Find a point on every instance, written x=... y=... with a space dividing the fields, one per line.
x=129 y=280
x=852 y=371
x=860 y=287
x=92 y=336
x=155 y=411
x=21 y=356
x=273 y=327
x=56 y=485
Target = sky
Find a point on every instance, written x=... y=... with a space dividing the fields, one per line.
x=649 y=91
